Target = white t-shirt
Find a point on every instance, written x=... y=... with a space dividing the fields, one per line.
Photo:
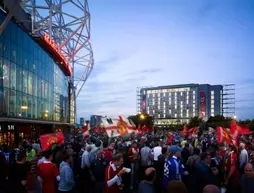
x=156 y=152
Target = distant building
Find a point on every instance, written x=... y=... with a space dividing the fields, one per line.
x=95 y=120
x=178 y=103
x=82 y=121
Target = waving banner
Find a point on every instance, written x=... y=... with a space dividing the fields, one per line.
x=118 y=126
x=48 y=140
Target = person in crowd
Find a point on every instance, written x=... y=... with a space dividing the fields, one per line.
x=247 y=180
x=113 y=175
x=176 y=186
x=217 y=163
x=159 y=167
x=133 y=153
x=146 y=185
x=17 y=178
x=66 y=182
x=48 y=174
x=252 y=158
x=98 y=167
x=146 y=159
x=173 y=167
x=86 y=173
x=244 y=157
x=14 y=154
x=157 y=151
x=211 y=189
x=192 y=160
x=202 y=174
x=30 y=153
x=3 y=173
x=32 y=182
x=185 y=153
x=6 y=153
x=232 y=175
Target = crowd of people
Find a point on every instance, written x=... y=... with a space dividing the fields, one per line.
x=144 y=164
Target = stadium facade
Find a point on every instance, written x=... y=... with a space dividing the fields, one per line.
x=36 y=80
x=178 y=103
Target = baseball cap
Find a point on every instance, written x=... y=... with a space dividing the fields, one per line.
x=174 y=149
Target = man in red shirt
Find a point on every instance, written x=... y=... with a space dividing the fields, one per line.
x=48 y=174
x=113 y=175
x=232 y=174
x=133 y=153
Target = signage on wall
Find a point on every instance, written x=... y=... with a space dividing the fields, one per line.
x=10 y=127
x=143 y=103
x=202 y=104
x=58 y=53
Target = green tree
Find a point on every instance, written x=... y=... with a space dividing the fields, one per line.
x=218 y=120
x=195 y=122
x=251 y=125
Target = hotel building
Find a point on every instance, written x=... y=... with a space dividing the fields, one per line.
x=178 y=103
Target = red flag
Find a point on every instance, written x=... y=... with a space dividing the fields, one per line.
x=170 y=138
x=193 y=131
x=48 y=140
x=185 y=130
x=237 y=130
x=223 y=135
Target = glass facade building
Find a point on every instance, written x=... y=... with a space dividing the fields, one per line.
x=32 y=85
x=178 y=103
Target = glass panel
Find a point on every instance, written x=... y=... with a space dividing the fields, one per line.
x=24 y=106
x=39 y=87
x=19 y=78
x=6 y=101
x=34 y=113
x=34 y=87
x=42 y=89
x=25 y=60
x=25 y=80
x=30 y=83
x=13 y=51
x=6 y=73
x=13 y=76
x=7 y=49
x=12 y=103
x=19 y=103
x=30 y=106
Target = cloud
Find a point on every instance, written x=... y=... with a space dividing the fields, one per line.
x=152 y=48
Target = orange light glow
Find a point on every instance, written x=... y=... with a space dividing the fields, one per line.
x=63 y=61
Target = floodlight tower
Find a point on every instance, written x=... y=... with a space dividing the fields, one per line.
x=67 y=22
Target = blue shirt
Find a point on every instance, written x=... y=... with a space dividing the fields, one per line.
x=66 y=182
x=173 y=170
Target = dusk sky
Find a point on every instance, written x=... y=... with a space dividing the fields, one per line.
x=165 y=42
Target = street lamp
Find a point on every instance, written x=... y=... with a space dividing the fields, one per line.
x=142 y=116
x=234 y=117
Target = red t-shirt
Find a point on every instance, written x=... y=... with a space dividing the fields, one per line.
x=110 y=172
x=108 y=154
x=133 y=154
x=234 y=180
x=48 y=172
